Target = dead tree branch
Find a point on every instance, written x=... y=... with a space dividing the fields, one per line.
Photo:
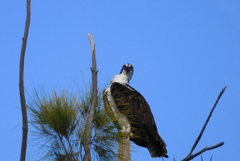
x=204 y=149
x=88 y=127
x=21 y=84
x=190 y=155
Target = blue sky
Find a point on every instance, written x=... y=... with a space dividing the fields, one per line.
x=184 y=53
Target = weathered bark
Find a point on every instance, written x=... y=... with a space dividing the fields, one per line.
x=124 y=149
x=88 y=127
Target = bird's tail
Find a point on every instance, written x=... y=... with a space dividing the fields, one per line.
x=157 y=148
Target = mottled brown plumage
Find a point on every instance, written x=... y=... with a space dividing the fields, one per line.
x=143 y=127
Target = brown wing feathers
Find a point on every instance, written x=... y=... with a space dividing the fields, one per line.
x=131 y=103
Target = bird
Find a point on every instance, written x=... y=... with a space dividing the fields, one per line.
x=131 y=113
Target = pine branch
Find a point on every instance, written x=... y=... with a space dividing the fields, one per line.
x=71 y=150
x=21 y=84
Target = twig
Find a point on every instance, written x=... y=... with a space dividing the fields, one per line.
x=61 y=141
x=21 y=84
x=88 y=128
x=204 y=126
x=203 y=150
x=211 y=158
x=71 y=150
x=209 y=116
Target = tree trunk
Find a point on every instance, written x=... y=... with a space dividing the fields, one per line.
x=124 y=149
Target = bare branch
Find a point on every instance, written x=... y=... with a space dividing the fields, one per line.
x=204 y=127
x=203 y=150
x=209 y=116
x=21 y=84
x=88 y=128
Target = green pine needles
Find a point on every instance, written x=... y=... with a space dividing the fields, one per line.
x=58 y=120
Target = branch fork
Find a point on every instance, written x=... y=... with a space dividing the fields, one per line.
x=190 y=156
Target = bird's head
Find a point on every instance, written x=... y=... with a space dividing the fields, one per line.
x=125 y=74
x=127 y=69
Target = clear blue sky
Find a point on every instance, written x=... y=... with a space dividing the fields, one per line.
x=184 y=53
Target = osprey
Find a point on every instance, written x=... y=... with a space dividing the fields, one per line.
x=131 y=113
